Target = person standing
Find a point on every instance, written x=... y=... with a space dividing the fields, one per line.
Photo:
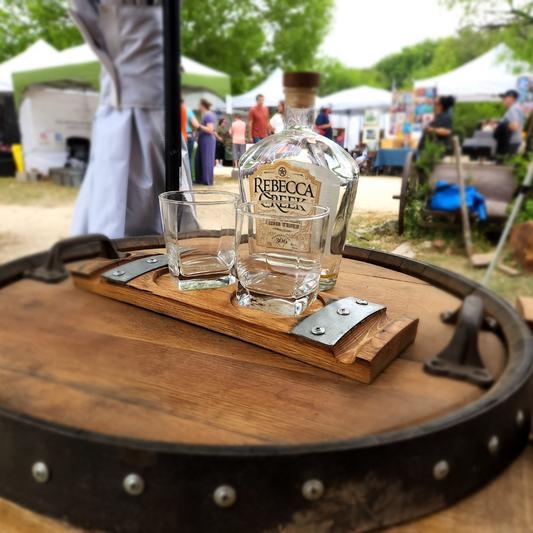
x=221 y=135
x=205 y=153
x=440 y=128
x=277 y=122
x=189 y=125
x=238 y=133
x=514 y=120
x=258 y=120
x=324 y=123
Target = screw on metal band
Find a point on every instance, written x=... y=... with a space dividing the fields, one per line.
x=118 y=273
x=133 y=484
x=152 y=260
x=343 y=311
x=361 y=302
x=318 y=330
x=40 y=472
x=441 y=470
x=225 y=496
x=313 y=489
x=520 y=418
x=494 y=444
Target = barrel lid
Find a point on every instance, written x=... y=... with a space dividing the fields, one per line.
x=304 y=80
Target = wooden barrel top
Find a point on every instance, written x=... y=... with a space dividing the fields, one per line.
x=85 y=361
x=99 y=368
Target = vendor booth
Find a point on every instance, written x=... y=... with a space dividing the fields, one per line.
x=32 y=57
x=349 y=107
x=59 y=100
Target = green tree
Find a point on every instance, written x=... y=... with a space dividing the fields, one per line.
x=399 y=69
x=22 y=22
x=513 y=19
x=249 y=38
x=335 y=76
x=453 y=52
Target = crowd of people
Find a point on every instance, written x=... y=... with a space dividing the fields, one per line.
x=212 y=141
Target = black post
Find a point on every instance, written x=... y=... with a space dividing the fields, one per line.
x=172 y=62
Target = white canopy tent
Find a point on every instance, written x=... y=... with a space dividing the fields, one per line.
x=58 y=98
x=34 y=56
x=480 y=80
x=48 y=115
x=348 y=108
x=271 y=89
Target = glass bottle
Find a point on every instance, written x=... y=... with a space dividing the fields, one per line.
x=300 y=165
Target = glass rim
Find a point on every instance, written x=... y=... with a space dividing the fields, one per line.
x=325 y=211
x=232 y=197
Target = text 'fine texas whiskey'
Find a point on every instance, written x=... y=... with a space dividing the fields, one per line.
x=299 y=166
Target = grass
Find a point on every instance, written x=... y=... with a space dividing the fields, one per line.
x=43 y=193
x=452 y=256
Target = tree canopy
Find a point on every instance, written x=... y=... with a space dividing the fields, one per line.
x=248 y=39
x=511 y=19
x=22 y=22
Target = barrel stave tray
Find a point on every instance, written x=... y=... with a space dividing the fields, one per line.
x=98 y=389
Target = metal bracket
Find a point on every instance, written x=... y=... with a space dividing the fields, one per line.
x=460 y=359
x=328 y=325
x=53 y=270
x=128 y=271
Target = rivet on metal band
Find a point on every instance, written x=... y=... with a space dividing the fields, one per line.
x=152 y=260
x=318 y=330
x=343 y=311
x=494 y=444
x=133 y=484
x=225 y=496
x=520 y=418
x=40 y=472
x=313 y=489
x=118 y=273
x=441 y=470
x=361 y=302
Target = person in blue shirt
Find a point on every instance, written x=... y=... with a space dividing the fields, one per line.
x=323 y=122
x=192 y=122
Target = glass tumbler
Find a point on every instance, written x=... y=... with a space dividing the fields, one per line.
x=279 y=255
x=199 y=231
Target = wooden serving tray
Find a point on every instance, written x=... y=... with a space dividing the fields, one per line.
x=360 y=353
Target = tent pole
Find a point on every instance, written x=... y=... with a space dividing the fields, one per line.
x=172 y=62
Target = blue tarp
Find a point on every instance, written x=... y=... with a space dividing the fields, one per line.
x=447 y=197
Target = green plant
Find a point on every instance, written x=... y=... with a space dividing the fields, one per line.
x=431 y=154
x=520 y=163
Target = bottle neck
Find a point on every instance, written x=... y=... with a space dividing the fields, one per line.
x=299 y=118
x=299 y=108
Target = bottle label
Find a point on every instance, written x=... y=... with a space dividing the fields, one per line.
x=284 y=189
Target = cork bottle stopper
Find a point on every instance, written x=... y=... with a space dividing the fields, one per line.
x=300 y=88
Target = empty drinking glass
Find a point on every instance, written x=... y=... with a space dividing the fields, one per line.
x=199 y=231
x=279 y=255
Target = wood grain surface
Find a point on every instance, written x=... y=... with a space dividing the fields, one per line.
x=78 y=359
x=361 y=354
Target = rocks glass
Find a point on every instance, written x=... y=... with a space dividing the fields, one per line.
x=199 y=231
x=279 y=250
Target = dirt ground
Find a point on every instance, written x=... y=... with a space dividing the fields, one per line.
x=33 y=216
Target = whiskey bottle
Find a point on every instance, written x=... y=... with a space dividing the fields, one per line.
x=299 y=165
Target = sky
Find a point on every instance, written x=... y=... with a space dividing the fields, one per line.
x=364 y=31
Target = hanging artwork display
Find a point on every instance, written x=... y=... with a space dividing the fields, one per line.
x=524 y=87
x=401 y=113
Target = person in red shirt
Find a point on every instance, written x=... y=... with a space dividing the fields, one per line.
x=258 y=121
